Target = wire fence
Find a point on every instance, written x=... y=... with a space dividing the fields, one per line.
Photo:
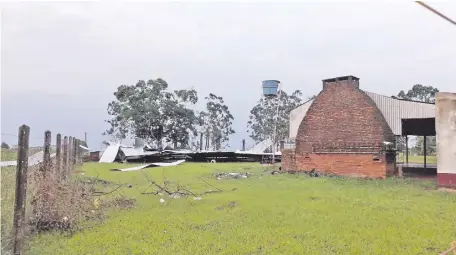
x=27 y=185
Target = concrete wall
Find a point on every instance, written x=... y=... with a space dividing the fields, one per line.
x=445 y=125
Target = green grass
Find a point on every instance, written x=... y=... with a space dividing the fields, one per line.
x=285 y=214
x=418 y=159
x=11 y=154
x=8 y=183
x=8 y=155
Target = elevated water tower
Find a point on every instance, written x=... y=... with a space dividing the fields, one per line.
x=271 y=88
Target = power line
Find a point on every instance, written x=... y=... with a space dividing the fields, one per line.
x=6 y=134
x=436 y=12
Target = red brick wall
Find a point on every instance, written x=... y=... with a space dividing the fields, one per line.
x=342 y=114
x=356 y=165
x=288 y=159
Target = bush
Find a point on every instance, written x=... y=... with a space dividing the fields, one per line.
x=5 y=146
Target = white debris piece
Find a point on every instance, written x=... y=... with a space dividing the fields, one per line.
x=197 y=198
x=135 y=168
x=175 y=195
x=220 y=176
x=109 y=155
x=162 y=200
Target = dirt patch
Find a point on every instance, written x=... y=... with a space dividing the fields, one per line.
x=447 y=190
x=120 y=203
x=230 y=205
x=220 y=176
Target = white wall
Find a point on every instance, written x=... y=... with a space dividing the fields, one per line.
x=445 y=125
x=296 y=116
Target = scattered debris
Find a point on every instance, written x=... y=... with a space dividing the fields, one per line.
x=94 y=180
x=220 y=176
x=230 y=205
x=313 y=173
x=275 y=172
x=175 y=195
x=109 y=155
x=120 y=202
x=177 y=190
x=213 y=161
x=149 y=165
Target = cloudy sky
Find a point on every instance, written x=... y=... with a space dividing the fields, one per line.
x=61 y=62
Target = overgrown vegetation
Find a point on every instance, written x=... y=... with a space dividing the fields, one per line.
x=65 y=206
x=266 y=214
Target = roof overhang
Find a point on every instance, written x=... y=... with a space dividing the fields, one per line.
x=418 y=127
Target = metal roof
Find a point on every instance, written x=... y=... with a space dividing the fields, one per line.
x=393 y=109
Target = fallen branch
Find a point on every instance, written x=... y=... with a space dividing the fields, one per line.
x=180 y=190
x=101 y=193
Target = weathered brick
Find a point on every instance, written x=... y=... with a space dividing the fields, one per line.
x=341 y=117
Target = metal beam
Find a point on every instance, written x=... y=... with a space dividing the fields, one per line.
x=406 y=150
x=424 y=145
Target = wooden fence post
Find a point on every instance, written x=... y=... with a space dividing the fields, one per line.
x=58 y=157
x=65 y=158
x=21 y=189
x=73 y=158
x=47 y=152
x=70 y=155
x=78 y=151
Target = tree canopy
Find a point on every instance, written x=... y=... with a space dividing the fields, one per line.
x=419 y=93
x=150 y=111
x=216 y=122
x=262 y=116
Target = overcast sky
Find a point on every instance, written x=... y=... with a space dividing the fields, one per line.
x=61 y=62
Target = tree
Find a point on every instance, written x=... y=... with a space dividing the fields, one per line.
x=423 y=94
x=216 y=122
x=419 y=93
x=262 y=116
x=149 y=111
x=5 y=146
x=430 y=145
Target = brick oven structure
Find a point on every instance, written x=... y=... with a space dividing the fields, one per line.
x=342 y=132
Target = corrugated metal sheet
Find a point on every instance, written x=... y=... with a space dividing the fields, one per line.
x=394 y=110
x=296 y=116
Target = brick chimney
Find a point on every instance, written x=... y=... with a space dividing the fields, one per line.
x=348 y=81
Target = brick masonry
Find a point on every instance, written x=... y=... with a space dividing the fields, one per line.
x=341 y=114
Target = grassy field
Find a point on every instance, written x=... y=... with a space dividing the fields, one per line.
x=8 y=155
x=8 y=182
x=11 y=154
x=285 y=214
x=418 y=159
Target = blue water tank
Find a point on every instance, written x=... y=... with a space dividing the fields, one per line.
x=270 y=87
